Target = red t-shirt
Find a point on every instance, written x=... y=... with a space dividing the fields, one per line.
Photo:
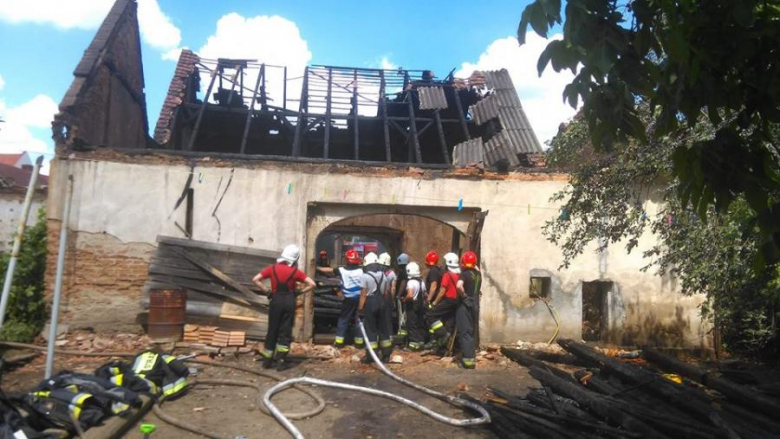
x=449 y=281
x=283 y=272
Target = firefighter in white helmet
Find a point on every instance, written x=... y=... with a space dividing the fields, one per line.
x=372 y=308
x=285 y=277
x=414 y=299
x=390 y=292
x=441 y=318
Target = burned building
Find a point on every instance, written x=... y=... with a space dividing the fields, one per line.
x=247 y=157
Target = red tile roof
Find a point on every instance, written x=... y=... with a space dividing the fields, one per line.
x=12 y=176
x=176 y=92
x=10 y=159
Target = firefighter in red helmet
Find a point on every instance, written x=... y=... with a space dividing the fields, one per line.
x=433 y=278
x=351 y=281
x=468 y=292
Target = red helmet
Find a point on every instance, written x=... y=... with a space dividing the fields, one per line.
x=432 y=258
x=323 y=253
x=352 y=257
x=468 y=260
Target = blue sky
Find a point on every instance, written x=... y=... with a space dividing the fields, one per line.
x=43 y=40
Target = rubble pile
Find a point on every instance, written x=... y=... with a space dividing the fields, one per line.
x=587 y=392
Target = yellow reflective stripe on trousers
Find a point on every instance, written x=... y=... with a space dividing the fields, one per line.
x=339 y=340
x=385 y=343
x=174 y=387
x=358 y=340
x=267 y=353
x=415 y=345
x=469 y=361
x=374 y=345
x=118 y=379
x=436 y=325
x=282 y=349
x=403 y=333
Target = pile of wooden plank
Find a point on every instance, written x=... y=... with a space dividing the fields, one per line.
x=585 y=393
x=218 y=280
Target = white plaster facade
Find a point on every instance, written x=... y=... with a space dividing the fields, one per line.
x=273 y=204
x=11 y=204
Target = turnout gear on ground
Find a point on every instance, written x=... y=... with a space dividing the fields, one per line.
x=165 y=371
x=351 y=284
x=465 y=316
x=13 y=425
x=281 y=316
x=290 y=254
x=432 y=258
x=122 y=375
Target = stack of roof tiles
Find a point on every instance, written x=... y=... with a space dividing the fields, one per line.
x=516 y=136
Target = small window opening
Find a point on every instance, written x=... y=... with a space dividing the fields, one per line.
x=540 y=287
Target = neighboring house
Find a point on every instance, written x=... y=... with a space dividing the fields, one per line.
x=21 y=160
x=13 y=188
x=414 y=162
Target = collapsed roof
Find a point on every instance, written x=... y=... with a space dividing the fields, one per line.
x=252 y=109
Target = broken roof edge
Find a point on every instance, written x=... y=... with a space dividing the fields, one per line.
x=379 y=169
x=185 y=66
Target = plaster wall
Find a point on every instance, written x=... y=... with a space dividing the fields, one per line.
x=11 y=205
x=268 y=205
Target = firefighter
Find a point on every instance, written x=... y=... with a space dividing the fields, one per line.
x=468 y=287
x=414 y=299
x=433 y=278
x=351 y=278
x=390 y=292
x=445 y=304
x=284 y=276
x=371 y=309
x=400 y=284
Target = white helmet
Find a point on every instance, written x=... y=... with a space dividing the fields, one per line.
x=290 y=254
x=413 y=269
x=451 y=260
x=370 y=259
x=385 y=259
x=403 y=259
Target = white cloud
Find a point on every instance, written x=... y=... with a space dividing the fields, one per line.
x=15 y=133
x=541 y=96
x=157 y=29
x=173 y=54
x=268 y=39
x=386 y=64
x=80 y=14
x=2 y=82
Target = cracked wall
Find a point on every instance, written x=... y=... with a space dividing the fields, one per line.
x=121 y=206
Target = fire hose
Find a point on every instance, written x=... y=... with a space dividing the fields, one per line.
x=458 y=402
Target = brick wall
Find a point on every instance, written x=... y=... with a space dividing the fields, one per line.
x=104 y=278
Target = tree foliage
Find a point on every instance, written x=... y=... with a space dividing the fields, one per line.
x=26 y=306
x=607 y=201
x=693 y=62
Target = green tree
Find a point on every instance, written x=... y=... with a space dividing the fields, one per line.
x=26 y=307
x=692 y=62
x=606 y=202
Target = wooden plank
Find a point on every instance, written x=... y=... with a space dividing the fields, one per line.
x=189 y=243
x=117 y=426
x=249 y=295
x=206 y=288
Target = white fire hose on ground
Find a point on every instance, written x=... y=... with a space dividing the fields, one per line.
x=458 y=402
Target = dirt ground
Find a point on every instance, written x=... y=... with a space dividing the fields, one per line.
x=234 y=411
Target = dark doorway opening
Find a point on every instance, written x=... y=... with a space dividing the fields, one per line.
x=595 y=310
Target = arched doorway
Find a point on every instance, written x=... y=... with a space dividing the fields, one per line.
x=395 y=233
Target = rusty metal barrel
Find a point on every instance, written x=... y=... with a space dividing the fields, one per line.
x=167 y=310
